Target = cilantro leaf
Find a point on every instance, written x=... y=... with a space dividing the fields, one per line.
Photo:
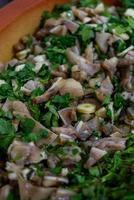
x=107 y=100
x=7 y=134
x=27 y=124
x=56 y=50
x=29 y=41
x=61 y=101
x=51 y=117
x=86 y=33
x=130 y=21
x=128 y=3
x=11 y=196
x=88 y=3
x=61 y=42
x=119 y=46
x=45 y=74
x=26 y=73
x=35 y=137
x=118 y=100
x=120 y=29
x=5 y=91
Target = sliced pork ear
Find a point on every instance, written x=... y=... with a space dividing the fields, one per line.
x=20 y=107
x=53 y=22
x=105 y=89
x=59 y=30
x=83 y=64
x=29 y=191
x=25 y=153
x=111 y=143
x=63 y=194
x=89 y=54
x=67 y=130
x=4 y=192
x=50 y=92
x=102 y=41
x=51 y=181
x=68 y=115
x=73 y=87
x=111 y=65
x=80 y=14
x=95 y=155
x=7 y=106
x=71 y=26
x=29 y=86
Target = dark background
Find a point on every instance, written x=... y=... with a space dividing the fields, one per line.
x=4 y=2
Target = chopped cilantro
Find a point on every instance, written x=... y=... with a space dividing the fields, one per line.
x=11 y=196
x=88 y=3
x=27 y=124
x=61 y=101
x=120 y=29
x=85 y=33
x=116 y=83
x=56 y=170
x=39 y=170
x=62 y=8
x=29 y=41
x=107 y=100
x=47 y=119
x=119 y=46
x=128 y=3
x=7 y=134
x=35 y=137
x=118 y=100
x=56 y=50
x=109 y=113
x=94 y=171
x=26 y=73
x=97 y=134
x=130 y=21
x=45 y=74
x=5 y=91
x=61 y=42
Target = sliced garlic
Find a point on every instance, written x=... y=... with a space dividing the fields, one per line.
x=86 y=108
x=22 y=54
x=19 y=67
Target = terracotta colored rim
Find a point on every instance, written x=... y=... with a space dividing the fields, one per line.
x=14 y=9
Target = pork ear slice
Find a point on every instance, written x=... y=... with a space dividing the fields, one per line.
x=32 y=192
x=23 y=153
x=101 y=40
x=50 y=92
x=95 y=155
x=4 y=192
x=72 y=87
x=68 y=115
x=105 y=89
x=83 y=64
x=111 y=65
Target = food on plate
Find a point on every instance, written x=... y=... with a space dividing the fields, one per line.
x=67 y=107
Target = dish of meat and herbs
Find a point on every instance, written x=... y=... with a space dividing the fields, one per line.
x=67 y=108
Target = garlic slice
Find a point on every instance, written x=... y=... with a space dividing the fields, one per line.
x=86 y=108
